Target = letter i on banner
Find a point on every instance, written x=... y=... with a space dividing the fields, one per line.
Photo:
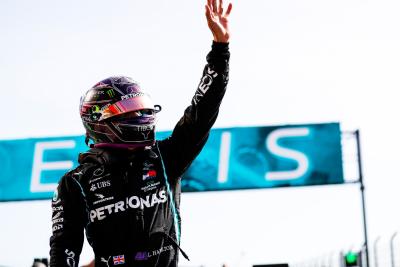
x=224 y=154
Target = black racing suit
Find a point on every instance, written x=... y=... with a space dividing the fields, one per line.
x=128 y=202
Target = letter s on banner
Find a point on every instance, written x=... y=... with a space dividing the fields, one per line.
x=300 y=158
x=39 y=165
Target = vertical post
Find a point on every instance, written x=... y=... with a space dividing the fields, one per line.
x=392 y=254
x=376 y=258
x=362 y=188
x=341 y=259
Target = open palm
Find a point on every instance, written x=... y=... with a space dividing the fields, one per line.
x=217 y=19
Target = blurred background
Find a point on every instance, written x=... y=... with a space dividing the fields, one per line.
x=292 y=61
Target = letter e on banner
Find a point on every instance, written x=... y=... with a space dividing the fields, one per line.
x=39 y=165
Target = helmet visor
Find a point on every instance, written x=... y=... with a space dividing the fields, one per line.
x=127 y=105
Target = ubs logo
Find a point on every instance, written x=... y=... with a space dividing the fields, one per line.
x=101 y=184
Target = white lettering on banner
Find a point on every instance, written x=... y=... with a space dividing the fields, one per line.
x=276 y=149
x=224 y=154
x=39 y=165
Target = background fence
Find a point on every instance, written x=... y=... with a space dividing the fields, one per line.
x=384 y=251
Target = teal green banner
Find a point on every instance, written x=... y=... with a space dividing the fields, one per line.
x=233 y=158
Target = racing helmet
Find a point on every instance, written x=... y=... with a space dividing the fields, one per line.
x=116 y=111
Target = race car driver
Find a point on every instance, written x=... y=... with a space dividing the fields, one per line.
x=126 y=190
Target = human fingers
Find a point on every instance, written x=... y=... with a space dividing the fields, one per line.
x=209 y=3
x=208 y=13
x=220 y=7
x=214 y=6
x=228 y=11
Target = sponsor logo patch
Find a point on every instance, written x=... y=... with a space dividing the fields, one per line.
x=132 y=95
x=99 y=196
x=70 y=258
x=120 y=259
x=105 y=260
x=150 y=174
x=58 y=208
x=98 y=171
x=98 y=178
x=58 y=214
x=101 y=184
x=141 y=256
x=150 y=186
x=102 y=198
x=159 y=251
x=59 y=220
x=147 y=165
x=57 y=227
x=204 y=85
x=133 y=202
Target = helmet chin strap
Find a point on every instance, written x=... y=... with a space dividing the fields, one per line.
x=87 y=140
x=127 y=146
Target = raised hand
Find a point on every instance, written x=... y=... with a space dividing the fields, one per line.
x=217 y=20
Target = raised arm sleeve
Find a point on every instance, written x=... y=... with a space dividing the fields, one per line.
x=192 y=130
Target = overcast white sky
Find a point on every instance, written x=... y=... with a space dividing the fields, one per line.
x=293 y=61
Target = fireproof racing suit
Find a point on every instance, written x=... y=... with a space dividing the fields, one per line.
x=128 y=202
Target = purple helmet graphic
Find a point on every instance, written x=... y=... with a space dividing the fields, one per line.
x=116 y=111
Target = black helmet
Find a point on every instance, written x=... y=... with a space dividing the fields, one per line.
x=116 y=111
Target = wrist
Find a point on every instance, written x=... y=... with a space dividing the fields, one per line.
x=219 y=46
x=222 y=39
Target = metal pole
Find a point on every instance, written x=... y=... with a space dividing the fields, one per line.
x=341 y=259
x=392 y=255
x=376 y=258
x=362 y=188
